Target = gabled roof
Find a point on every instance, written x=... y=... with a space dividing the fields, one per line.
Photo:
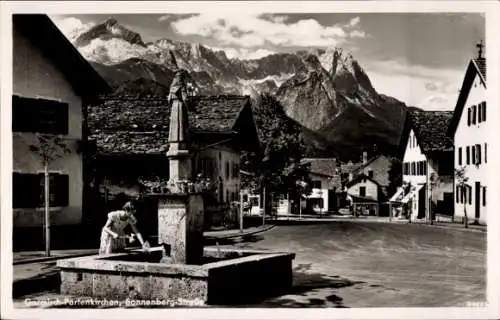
x=131 y=125
x=431 y=130
x=358 y=179
x=322 y=166
x=43 y=33
x=475 y=67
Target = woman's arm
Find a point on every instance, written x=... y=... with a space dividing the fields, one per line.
x=137 y=233
x=107 y=228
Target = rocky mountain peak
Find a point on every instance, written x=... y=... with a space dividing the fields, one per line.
x=110 y=28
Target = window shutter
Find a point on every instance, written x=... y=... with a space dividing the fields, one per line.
x=457 y=194
x=474 y=155
x=484 y=111
x=460 y=156
x=462 y=194
x=468 y=116
x=474 y=114
x=478 y=152
x=479 y=112
x=467 y=152
x=484 y=196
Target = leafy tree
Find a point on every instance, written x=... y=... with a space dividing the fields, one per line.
x=462 y=182
x=395 y=176
x=49 y=148
x=278 y=167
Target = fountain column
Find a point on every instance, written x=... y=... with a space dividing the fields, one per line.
x=180 y=212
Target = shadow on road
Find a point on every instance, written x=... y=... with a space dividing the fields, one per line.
x=306 y=284
x=251 y=238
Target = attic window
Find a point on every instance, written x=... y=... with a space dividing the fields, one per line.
x=370 y=173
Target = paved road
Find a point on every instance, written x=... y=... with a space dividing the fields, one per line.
x=369 y=264
x=357 y=264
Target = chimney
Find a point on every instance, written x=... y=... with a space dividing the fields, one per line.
x=365 y=157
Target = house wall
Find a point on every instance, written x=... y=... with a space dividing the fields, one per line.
x=371 y=189
x=466 y=135
x=231 y=183
x=320 y=193
x=35 y=76
x=380 y=168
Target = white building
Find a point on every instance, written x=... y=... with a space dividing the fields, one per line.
x=470 y=130
x=52 y=83
x=326 y=184
x=427 y=165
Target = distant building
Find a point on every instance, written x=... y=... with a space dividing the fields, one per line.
x=377 y=169
x=52 y=83
x=471 y=134
x=326 y=184
x=364 y=189
x=427 y=164
x=131 y=142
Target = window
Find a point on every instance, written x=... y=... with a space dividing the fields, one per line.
x=474 y=114
x=484 y=196
x=485 y=152
x=39 y=115
x=362 y=191
x=418 y=168
x=236 y=170
x=473 y=155
x=425 y=167
x=467 y=155
x=413 y=169
x=468 y=116
x=28 y=190
x=227 y=170
x=457 y=196
x=370 y=173
x=316 y=184
x=459 y=156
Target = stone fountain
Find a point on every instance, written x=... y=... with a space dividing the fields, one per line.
x=179 y=269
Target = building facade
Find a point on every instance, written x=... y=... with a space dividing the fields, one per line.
x=470 y=131
x=427 y=165
x=326 y=185
x=52 y=83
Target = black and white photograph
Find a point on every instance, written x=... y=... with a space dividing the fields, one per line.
x=250 y=156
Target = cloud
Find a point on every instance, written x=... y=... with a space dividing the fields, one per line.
x=253 y=30
x=424 y=87
x=71 y=27
x=354 y=21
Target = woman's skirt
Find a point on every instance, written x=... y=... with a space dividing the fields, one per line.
x=110 y=245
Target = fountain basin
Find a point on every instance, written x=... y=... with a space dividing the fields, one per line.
x=224 y=276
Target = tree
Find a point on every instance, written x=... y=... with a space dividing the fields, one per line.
x=395 y=176
x=462 y=182
x=278 y=167
x=49 y=148
x=433 y=181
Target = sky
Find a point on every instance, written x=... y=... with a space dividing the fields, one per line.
x=418 y=58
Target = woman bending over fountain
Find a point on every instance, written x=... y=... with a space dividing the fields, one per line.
x=113 y=237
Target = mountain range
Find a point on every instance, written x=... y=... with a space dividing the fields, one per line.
x=326 y=91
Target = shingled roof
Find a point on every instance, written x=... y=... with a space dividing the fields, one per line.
x=131 y=125
x=475 y=67
x=431 y=130
x=322 y=166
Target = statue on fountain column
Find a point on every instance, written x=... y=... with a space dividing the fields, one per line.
x=179 y=127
